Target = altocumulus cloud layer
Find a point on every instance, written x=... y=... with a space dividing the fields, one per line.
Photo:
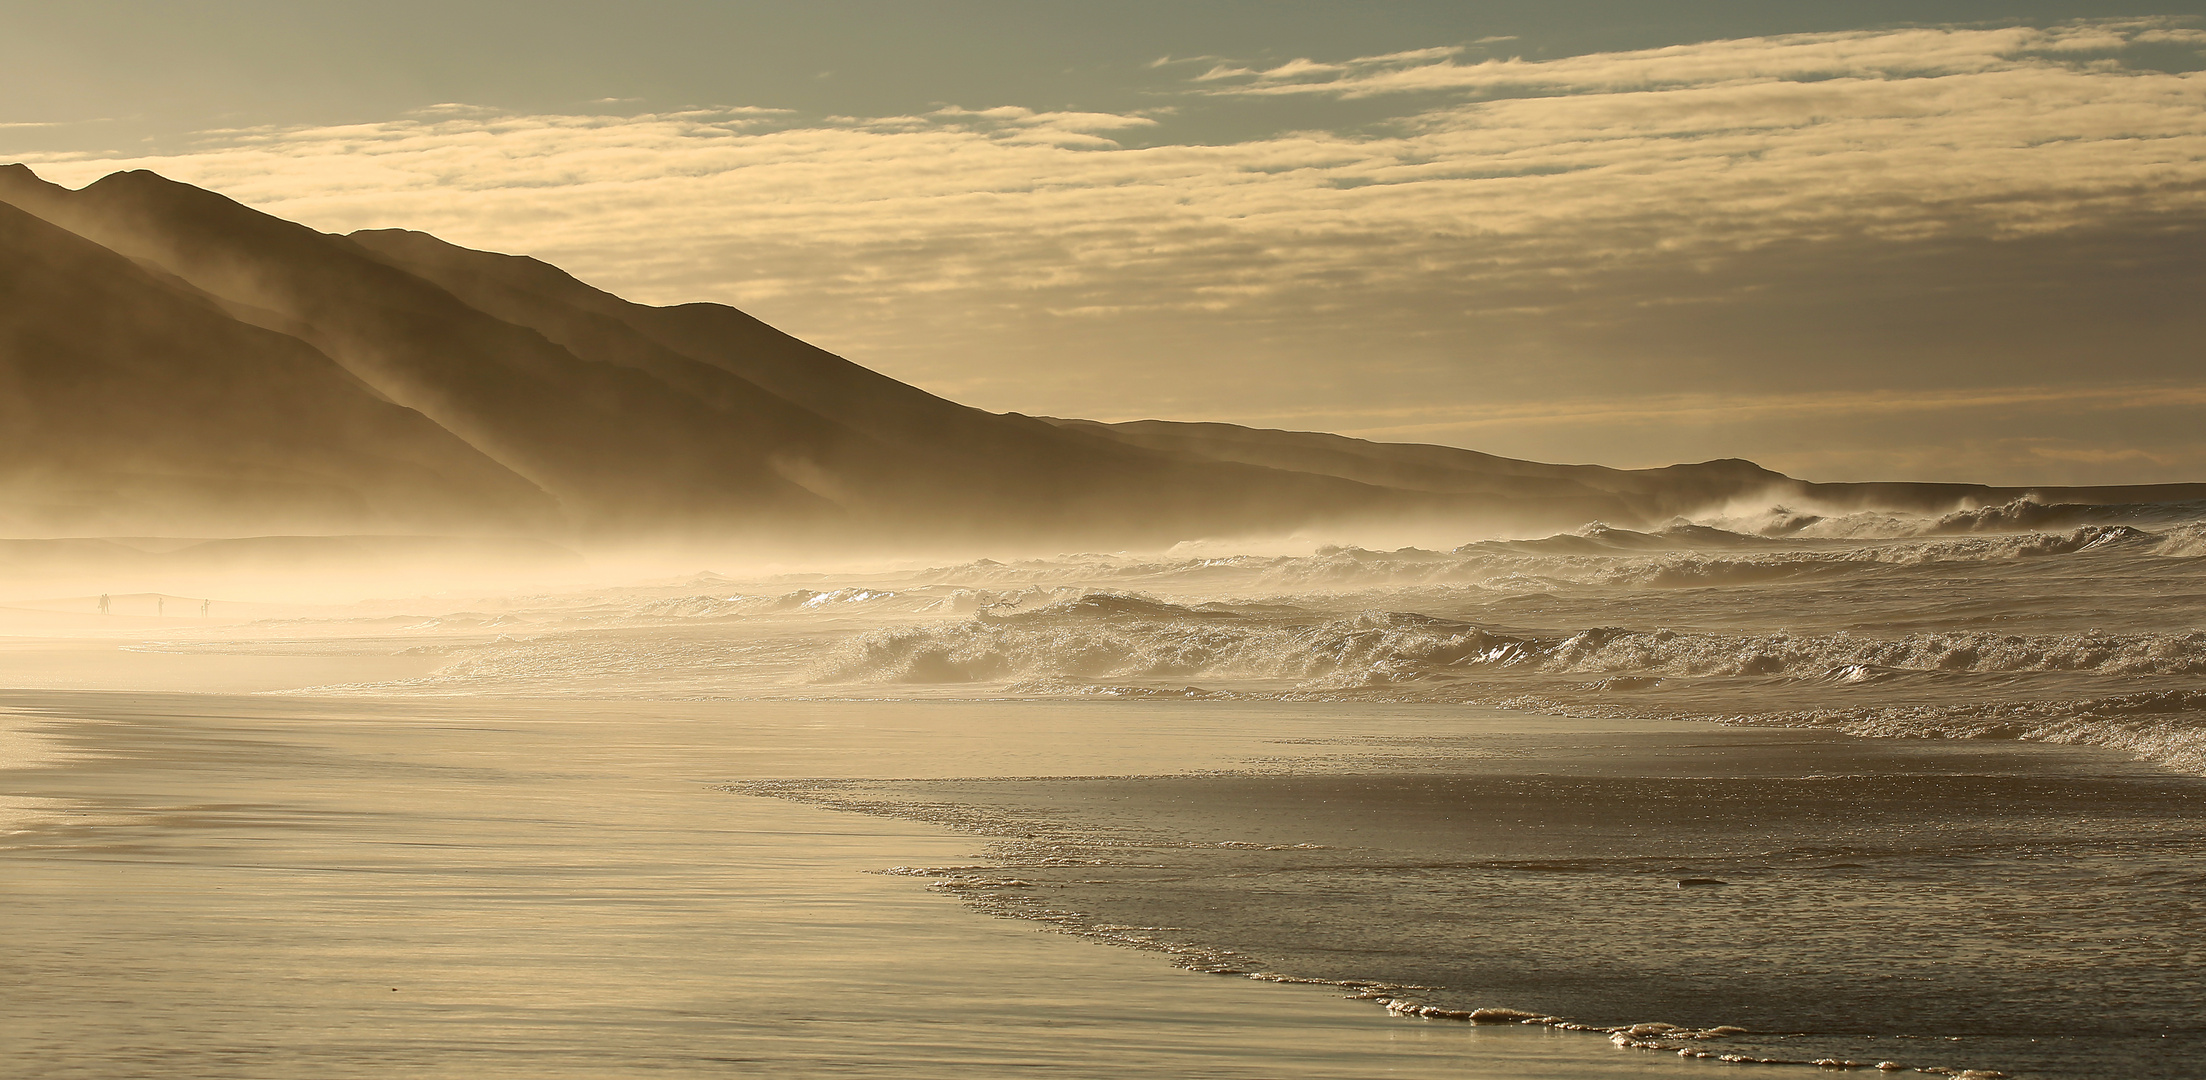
x=1920 y=253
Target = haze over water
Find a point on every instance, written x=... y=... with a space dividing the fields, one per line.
x=1379 y=825
x=991 y=539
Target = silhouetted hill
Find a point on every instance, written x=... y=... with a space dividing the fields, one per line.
x=175 y=361
x=648 y=421
x=1592 y=491
x=128 y=402
x=1645 y=494
x=950 y=469
x=614 y=444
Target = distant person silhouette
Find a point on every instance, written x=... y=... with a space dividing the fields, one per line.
x=103 y=603
x=160 y=604
x=203 y=608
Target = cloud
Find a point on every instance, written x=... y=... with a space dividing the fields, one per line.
x=1560 y=184
x=1673 y=408
x=1911 y=53
x=1538 y=228
x=2021 y=436
x=2100 y=455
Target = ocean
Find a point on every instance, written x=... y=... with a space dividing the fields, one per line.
x=1858 y=791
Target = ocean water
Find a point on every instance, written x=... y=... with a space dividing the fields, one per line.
x=2090 y=631
x=1921 y=791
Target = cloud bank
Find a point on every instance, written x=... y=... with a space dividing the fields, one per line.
x=1775 y=235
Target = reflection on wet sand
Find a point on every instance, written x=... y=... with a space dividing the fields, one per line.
x=1817 y=898
x=255 y=887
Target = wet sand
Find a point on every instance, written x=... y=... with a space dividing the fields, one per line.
x=1957 y=904
x=267 y=887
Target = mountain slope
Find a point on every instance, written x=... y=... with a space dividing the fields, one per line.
x=963 y=470
x=126 y=401
x=173 y=360
x=1648 y=495
x=584 y=431
x=636 y=437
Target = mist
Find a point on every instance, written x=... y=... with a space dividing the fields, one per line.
x=1357 y=512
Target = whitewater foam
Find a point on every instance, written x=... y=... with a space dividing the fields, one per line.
x=1939 y=626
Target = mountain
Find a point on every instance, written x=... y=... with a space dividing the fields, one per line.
x=129 y=402
x=173 y=362
x=1648 y=495
x=655 y=421
x=921 y=461
x=611 y=443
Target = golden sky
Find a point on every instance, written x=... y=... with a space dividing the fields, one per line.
x=1968 y=251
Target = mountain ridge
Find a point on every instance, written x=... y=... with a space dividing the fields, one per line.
x=1703 y=483
x=83 y=327
x=388 y=380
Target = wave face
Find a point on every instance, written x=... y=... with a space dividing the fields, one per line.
x=1976 y=623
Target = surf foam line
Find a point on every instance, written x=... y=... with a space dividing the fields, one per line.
x=1913 y=686
x=1103 y=635
x=1683 y=554
x=996 y=890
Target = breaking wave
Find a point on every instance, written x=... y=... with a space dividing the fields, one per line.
x=1976 y=623
x=1682 y=555
x=1118 y=636
x=1103 y=635
x=2073 y=687
x=1131 y=643
x=2017 y=515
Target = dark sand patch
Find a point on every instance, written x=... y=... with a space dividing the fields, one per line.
x=2036 y=909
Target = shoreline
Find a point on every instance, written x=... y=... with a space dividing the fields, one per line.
x=1195 y=867
x=271 y=832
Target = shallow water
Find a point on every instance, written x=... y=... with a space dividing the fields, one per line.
x=2037 y=910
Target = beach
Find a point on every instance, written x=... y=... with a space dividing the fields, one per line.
x=1817 y=898
x=1907 y=802
x=250 y=886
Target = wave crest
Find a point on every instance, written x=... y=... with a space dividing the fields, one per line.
x=1110 y=635
x=1121 y=636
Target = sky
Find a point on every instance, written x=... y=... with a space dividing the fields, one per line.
x=1929 y=240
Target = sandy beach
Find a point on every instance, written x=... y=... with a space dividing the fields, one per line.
x=267 y=887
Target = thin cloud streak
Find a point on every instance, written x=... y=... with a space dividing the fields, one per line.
x=2014 y=435
x=1678 y=407
x=1911 y=53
